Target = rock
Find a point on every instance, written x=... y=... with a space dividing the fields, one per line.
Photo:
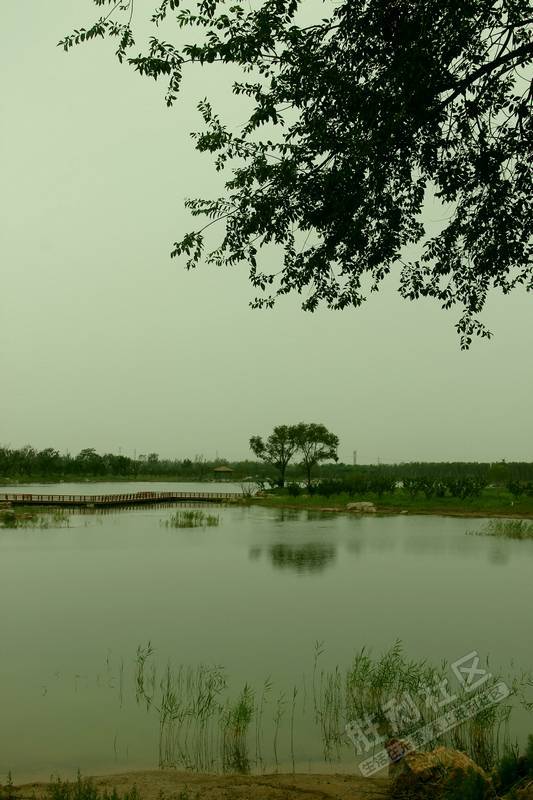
x=442 y=774
x=362 y=507
x=525 y=792
x=397 y=749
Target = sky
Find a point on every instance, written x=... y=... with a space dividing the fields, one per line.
x=106 y=342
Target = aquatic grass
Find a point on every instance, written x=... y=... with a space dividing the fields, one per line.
x=237 y=719
x=7 y=789
x=392 y=696
x=278 y=716
x=260 y=707
x=506 y=528
x=293 y=709
x=30 y=518
x=191 y=519
x=514 y=769
x=85 y=789
x=206 y=726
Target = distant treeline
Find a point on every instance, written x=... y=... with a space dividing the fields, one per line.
x=49 y=464
x=498 y=472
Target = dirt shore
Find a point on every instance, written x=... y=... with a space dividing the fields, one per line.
x=173 y=785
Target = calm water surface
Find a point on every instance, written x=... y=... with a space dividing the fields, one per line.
x=253 y=595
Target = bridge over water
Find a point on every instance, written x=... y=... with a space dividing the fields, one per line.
x=116 y=500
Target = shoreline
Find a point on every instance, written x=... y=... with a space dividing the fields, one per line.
x=495 y=506
x=171 y=784
x=398 y=511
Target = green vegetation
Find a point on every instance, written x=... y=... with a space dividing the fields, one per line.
x=278 y=449
x=514 y=769
x=490 y=501
x=312 y=441
x=192 y=519
x=6 y=790
x=449 y=487
x=22 y=517
x=84 y=789
x=357 y=116
x=203 y=729
x=507 y=529
x=199 y=727
x=28 y=464
x=400 y=696
x=315 y=444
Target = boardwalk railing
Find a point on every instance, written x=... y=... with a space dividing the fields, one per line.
x=99 y=500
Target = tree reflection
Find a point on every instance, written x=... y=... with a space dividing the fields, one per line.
x=310 y=557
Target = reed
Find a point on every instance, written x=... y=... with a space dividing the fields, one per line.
x=260 y=707
x=237 y=719
x=394 y=696
x=278 y=716
x=204 y=726
x=31 y=518
x=191 y=519
x=85 y=789
x=506 y=528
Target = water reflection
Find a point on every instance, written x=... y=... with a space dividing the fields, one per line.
x=289 y=515
x=356 y=546
x=499 y=553
x=311 y=557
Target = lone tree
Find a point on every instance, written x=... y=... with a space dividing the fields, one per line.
x=354 y=122
x=278 y=449
x=316 y=444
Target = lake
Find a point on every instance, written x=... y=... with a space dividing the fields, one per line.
x=252 y=597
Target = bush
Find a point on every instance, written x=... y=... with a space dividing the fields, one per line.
x=294 y=490
x=84 y=789
x=514 y=768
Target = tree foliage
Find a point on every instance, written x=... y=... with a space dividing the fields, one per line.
x=354 y=121
x=315 y=444
x=278 y=449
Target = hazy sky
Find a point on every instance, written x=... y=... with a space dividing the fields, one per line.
x=107 y=343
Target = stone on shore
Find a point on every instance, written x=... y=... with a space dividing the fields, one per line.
x=442 y=774
x=525 y=792
x=363 y=507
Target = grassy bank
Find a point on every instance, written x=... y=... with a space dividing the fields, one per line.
x=491 y=502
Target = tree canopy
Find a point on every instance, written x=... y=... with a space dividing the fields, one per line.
x=311 y=440
x=355 y=121
x=278 y=449
x=315 y=444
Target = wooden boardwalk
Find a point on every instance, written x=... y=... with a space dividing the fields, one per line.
x=116 y=500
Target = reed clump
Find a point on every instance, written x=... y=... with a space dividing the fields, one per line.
x=200 y=728
x=514 y=770
x=392 y=697
x=84 y=789
x=206 y=725
x=191 y=519
x=506 y=529
x=31 y=518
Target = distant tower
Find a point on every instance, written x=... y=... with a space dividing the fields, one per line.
x=355 y=458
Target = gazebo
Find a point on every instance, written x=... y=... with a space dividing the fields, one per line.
x=223 y=471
